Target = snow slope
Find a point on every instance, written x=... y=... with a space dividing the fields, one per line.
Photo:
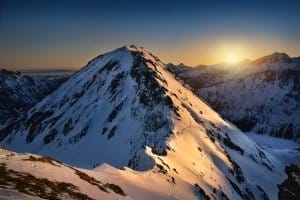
x=287 y=151
x=261 y=96
x=126 y=109
x=33 y=177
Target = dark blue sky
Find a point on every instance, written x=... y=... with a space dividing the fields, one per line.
x=69 y=33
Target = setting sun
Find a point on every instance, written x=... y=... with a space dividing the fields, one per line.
x=232 y=59
x=231 y=51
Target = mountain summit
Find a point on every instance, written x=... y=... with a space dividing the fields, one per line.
x=126 y=109
x=274 y=58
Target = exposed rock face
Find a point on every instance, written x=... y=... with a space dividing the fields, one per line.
x=290 y=188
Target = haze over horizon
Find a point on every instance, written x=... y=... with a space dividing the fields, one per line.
x=57 y=34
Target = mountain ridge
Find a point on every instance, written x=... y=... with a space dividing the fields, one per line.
x=262 y=96
x=273 y=58
x=126 y=109
x=19 y=92
x=270 y=58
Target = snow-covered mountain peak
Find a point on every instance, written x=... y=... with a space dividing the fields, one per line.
x=125 y=108
x=124 y=89
x=260 y=96
x=274 y=58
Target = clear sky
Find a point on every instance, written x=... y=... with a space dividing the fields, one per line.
x=67 y=34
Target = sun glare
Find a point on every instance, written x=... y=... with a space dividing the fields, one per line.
x=232 y=59
x=231 y=52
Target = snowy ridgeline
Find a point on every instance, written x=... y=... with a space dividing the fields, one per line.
x=139 y=134
x=262 y=96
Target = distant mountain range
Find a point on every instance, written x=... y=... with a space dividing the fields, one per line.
x=126 y=127
x=262 y=96
x=19 y=92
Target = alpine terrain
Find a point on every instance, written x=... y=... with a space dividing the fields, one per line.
x=262 y=96
x=19 y=92
x=126 y=128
